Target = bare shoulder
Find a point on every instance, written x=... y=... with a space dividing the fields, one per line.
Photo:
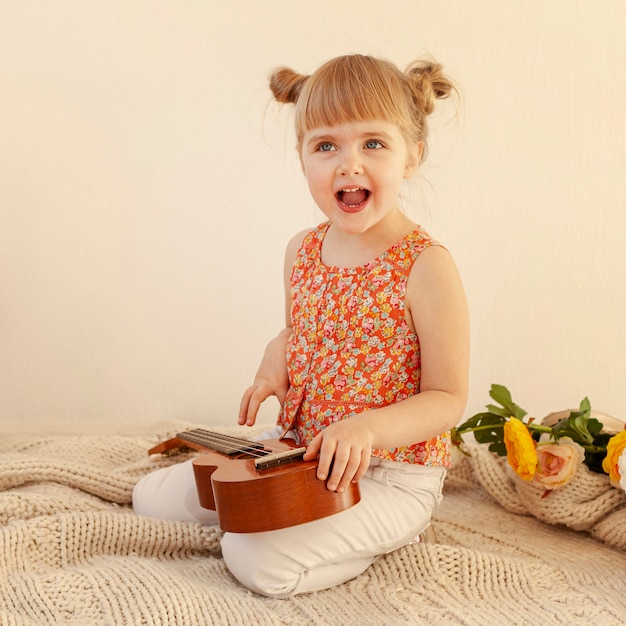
x=433 y=263
x=434 y=289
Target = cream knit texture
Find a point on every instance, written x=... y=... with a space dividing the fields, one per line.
x=72 y=552
x=588 y=502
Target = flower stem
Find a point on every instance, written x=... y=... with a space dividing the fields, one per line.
x=537 y=427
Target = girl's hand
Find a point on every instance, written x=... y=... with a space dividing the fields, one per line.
x=255 y=395
x=270 y=380
x=344 y=449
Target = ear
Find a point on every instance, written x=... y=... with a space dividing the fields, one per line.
x=414 y=159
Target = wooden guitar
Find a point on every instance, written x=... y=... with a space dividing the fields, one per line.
x=257 y=486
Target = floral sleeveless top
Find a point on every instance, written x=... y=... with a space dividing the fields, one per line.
x=351 y=348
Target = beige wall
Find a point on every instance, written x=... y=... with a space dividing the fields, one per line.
x=147 y=191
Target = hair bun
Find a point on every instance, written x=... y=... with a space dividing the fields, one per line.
x=429 y=84
x=286 y=84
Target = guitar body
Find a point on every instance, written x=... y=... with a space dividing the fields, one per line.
x=250 y=500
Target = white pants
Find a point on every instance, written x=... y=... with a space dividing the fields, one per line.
x=397 y=501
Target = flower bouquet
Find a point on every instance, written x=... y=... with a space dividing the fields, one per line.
x=569 y=468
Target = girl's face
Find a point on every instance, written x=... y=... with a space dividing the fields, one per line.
x=355 y=171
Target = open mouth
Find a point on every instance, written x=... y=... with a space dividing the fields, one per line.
x=353 y=197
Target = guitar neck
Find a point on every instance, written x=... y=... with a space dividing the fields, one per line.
x=205 y=440
x=226 y=444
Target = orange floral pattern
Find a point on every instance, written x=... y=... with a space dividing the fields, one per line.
x=351 y=348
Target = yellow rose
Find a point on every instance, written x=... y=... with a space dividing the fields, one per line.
x=621 y=463
x=520 y=448
x=614 y=449
x=557 y=463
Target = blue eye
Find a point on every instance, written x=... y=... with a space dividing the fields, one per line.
x=326 y=147
x=373 y=144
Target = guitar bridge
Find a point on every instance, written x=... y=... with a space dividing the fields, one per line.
x=279 y=458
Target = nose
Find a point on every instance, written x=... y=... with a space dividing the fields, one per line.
x=350 y=164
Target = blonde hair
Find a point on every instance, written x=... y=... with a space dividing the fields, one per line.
x=361 y=88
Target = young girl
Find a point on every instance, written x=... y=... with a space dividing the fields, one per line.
x=371 y=368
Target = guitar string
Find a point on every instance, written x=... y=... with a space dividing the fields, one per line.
x=208 y=438
x=205 y=437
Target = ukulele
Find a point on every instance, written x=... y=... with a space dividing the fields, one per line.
x=255 y=486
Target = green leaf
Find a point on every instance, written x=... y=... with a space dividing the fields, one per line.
x=579 y=426
x=490 y=429
x=502 y=395
x=469 y=423
x=597 y=453
x=496 y=410
x=499 y=448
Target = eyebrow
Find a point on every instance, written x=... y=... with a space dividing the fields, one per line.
x=330 y=137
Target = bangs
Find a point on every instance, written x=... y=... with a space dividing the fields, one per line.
x=351 y=89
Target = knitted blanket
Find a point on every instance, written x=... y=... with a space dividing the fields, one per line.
x=72 y=552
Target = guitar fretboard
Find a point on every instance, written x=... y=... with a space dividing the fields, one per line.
x=226 y=444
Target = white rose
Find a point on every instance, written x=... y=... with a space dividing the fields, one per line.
x=557 y=463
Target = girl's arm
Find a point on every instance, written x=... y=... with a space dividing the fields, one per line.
x=271 y=378
x=437 y=312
